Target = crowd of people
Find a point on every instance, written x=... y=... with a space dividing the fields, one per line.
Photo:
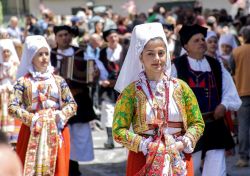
x=169 y=85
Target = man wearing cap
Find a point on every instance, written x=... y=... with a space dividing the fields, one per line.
x=81 y=144
x=215 y=92
x=110 y=56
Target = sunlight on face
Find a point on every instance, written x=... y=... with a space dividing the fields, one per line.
x=154 y=56
x=41 y=60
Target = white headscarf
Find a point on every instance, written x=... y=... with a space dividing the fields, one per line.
x=132 y=66
x=31 y=46
x=227 y=39
x=211 y=34
x=7 y=44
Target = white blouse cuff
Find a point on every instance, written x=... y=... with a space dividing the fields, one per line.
x=143 y=146
x=33 y=120
x=188 y=148
x=62 y=119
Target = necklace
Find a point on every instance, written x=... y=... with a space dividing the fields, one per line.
x=159 y=112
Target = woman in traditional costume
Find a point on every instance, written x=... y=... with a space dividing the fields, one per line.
x=43 y=102
x=163 y=111
x=8 y=67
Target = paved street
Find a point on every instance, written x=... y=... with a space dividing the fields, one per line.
x=113 y=162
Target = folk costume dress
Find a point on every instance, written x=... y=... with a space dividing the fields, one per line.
x=165 y=111
x=8 y=69
x=181 y=117
x=44 y=104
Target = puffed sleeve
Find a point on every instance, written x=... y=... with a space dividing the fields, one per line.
x=123 y=117
x=17 y=103
x=69 y=105
x=195 y=123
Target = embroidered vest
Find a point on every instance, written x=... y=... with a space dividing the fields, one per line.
x=207 y=86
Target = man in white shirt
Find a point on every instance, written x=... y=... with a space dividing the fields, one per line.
x=215 y=92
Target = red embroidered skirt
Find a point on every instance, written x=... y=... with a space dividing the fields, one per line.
x=137 y=160
x=62 y=163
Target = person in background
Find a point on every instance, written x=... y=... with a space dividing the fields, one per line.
x=212 y=44
x=226 y=45
x=13 y=29
x=241 y=78
x=111 y=57
x=162 y=111
x=9 y=63
x=31 y=26
x=44 y=104
x=215 y=91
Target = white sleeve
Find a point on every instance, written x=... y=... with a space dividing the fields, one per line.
x=230 y=97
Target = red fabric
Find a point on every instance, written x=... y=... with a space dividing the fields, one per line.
x=137 y=160
x=229 y=121
x=62 y=164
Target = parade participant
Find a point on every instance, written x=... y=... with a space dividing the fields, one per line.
x=215 y=92
x=241 y=78
x=8 y=67
x=44 y=104
x=162 y=111
x=212 y=44
x=226 y=45
x=111 y=57
x=81 y=143
x=212 y=51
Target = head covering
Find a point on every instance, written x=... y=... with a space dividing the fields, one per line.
x=211 y=34
x=108 y=32
x=8 y=44
x=139 y=38
x=187 y=31
x=31 y=46
x=61 y=28
x=227 y=39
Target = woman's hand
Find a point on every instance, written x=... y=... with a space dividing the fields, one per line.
x=144 y=145
x=179 y=146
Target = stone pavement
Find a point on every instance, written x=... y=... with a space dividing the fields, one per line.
x=113 y=162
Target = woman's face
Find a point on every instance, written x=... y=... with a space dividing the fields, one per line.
x=212 y=44
x=196 y=44
x=41 y=60
x=226 y=49
x=154 y=56
x=6 y=55
x=99 y=27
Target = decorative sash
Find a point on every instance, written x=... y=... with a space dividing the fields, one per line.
x=163 y=158
x=42 y=148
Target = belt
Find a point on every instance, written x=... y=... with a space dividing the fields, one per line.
x=171 y=124
x=155 y=131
